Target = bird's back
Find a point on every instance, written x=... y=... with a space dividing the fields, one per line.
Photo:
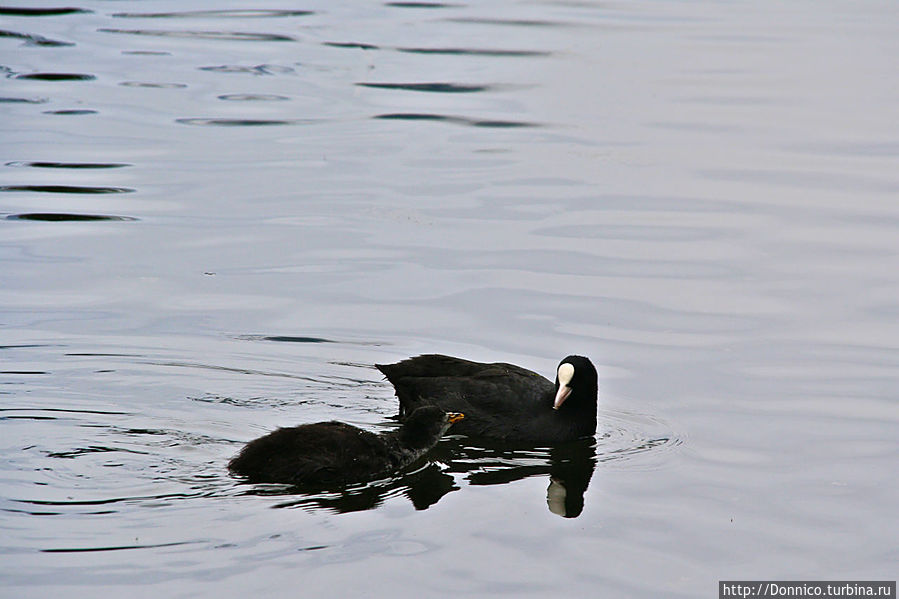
x=320 y=453
x=499 y=400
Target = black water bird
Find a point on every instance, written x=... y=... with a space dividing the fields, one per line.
x=501 y=401
x=326 y=454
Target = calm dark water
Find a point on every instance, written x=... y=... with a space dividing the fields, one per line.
x=214 y=218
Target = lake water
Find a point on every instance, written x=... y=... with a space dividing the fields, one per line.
x=216 y=217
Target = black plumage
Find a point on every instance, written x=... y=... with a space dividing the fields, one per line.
x=501 y=401
x=327 y=454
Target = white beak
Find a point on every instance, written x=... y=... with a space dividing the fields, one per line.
x=561 y=396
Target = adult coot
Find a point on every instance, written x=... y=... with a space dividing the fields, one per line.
x=501 y=401
x=335 y=453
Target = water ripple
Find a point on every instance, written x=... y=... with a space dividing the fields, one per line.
x=153 y=85
x=72 y=111
x=457 y=120
x=507 y=22
x=422 y=5
x=23 y=372
x=79 y=451
x=67 y=165
x=57 y=76
x=626 y=436
x=67 y=217
x=260 y=69
x=110 y=500
x=305 y=339
x=476 y=52
x=10 y=100
x=246 y=13
x=118 y=547
x=61 y=410
x=146 y=53
x=18 y=11
x=356 y=45
x=252 y=98
x=236 y=36
x=65 y=189
x=33 y=39
x=285 y=339
x=450 y=51
x=452 y=88
x=228 y=122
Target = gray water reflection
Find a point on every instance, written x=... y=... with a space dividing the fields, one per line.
x=216 y=218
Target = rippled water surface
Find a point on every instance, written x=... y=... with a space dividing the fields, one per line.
x=215 y=218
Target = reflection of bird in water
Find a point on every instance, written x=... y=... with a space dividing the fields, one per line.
x=423 y=487
x=570 y=472
x=557 y=498
x=327 y=454
x=570 y=468
x=501 y=401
